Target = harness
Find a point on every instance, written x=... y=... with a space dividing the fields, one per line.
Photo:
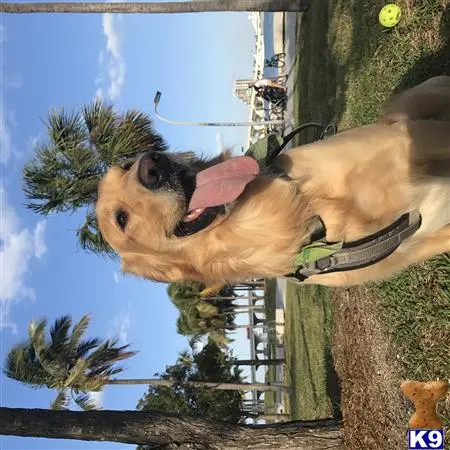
x=320 y=256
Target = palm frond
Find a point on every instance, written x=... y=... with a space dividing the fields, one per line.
x=78 y=331
x=36 y=332
x=104 y=371
x=100 y=122
x=76 y=376
x=65 y=361
x=21 y=365
x=219 y=338
x=90 y=238
x=50 y=355
x=135 y=134
x=109 y=353
x=61 y=401
x=94 y=384
x=85 y=346
x=60 y=182
x=85 y=402
x=207 y=309
x=66 y=130
x=59 y=331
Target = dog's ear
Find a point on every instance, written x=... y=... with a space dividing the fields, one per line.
x=147 y=266
x=226 y=154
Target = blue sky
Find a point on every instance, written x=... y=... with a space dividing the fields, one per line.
x=64 y=60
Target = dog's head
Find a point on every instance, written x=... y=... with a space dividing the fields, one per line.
x=152 y=209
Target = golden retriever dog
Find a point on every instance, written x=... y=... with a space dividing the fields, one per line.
x=174 y=217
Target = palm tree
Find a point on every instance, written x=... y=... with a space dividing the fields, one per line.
x=149 y=7
x=198 y=315
x=164 y=430
x=75 y=366
x=185 y=290
x=66 y=362
x=65 y=171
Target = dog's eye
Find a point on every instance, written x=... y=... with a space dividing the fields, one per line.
x=121 y=219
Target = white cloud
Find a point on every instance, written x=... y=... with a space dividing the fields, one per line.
x=18 y=247
x=6 y=146
x=98 y=94
x=33 y=142
x=5 y=321
x=9 y=222
x=7 y=117
x=119 y=327
x=39 y=244
x=111 y=34
x=112 y=66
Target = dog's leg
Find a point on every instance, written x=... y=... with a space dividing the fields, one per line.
x=430 y=139
x=430 y=99
x=418 y=250
x=430 y=146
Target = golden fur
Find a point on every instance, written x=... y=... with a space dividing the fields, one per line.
x=358 y=181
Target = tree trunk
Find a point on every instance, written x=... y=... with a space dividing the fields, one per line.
x=155 y=8
x=150 y=427
x=262 y=387
x=259 y=362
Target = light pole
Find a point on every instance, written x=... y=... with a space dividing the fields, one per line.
x=213 y=124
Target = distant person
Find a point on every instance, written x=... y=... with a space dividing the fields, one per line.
x=264 y=83
x=270 y=90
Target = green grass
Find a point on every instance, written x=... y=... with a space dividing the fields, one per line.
x=270 y=299
x=348 y=65
x=308 y=344
x=415 y=307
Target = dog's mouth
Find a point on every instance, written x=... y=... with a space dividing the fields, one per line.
x=222 y=183
x=193 y=215
x=216 y=187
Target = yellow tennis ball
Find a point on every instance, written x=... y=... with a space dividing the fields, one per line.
x=390 y=15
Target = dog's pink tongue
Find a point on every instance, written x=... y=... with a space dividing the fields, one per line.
x=224 y=182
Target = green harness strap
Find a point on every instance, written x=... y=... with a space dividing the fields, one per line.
x=317 y=250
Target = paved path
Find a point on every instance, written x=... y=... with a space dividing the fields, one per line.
x=290 y=39
x=285 y=38
x=281 y=293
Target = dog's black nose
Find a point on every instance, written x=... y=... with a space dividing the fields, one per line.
x=153 y=169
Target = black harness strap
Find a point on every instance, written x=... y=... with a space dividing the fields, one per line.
x=366 y=251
